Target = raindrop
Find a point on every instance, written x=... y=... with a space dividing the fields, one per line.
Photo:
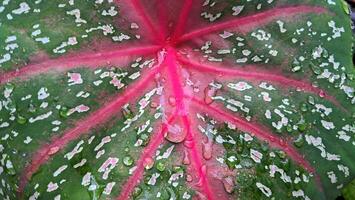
x=32 y=108
x=325 y=53
x=210 y=92
x=189 y=143
x=281 y=154
x=128 y=161
x=186 y=160
x=207 y=149
x=322 y=94
x=154 y=104
x=63 y=112
x=172 y=101
x=160 y=166
x=316 y=69
x=148 y=163
x=127 y=112
x=145 y=139
x=136 y=192
x=175 y=134
x=188 y=178
x=304 y=107
x=53 y=150
x=228 y=184
x=299 y=141
x=302 y=126
x=21 y=119
x=311 y=100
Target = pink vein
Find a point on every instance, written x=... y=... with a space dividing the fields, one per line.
x=82 y=127
x=196 y=159
x=162 y=16
x=171 y=63
x=282 y=80
x=92 y=60
x=255 y=129
x=182 y=19
x=149 y=151
x=259 y=18
x=147 y=21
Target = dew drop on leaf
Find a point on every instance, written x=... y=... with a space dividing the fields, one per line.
x=160 y=166
x=21 y=120
x=136 y=192
x=299 y=141
x=175 y=134
x=128 y=161
x=148 y=163
x=186 y=159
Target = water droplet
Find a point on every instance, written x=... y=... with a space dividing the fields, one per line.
x=154 y=104
x=322 y=94
x=289 y=128
x=189 y=143
x=316 y=69
x=160 y=166
x=178 y=169
x=128 y=161
x=136 y=192
x=175 y=134
x=145 y=139
x=296 y=69
x=21 y=119
x=304 y=107
x=172 y=101
x=53 y=150
x=207 y=149
x=299 y=141
x=63 y=112
x=302 y=126
x=127 y=112
x=281 y=154
x=32 y=108
x=186 y=160
x=188 y=178
x=311 y=100
x=228 y=184
x=210 y=92
x=148 y=163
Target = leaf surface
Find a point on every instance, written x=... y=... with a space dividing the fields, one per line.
x=190 y=99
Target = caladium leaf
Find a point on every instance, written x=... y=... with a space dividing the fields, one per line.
x=188 y=99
